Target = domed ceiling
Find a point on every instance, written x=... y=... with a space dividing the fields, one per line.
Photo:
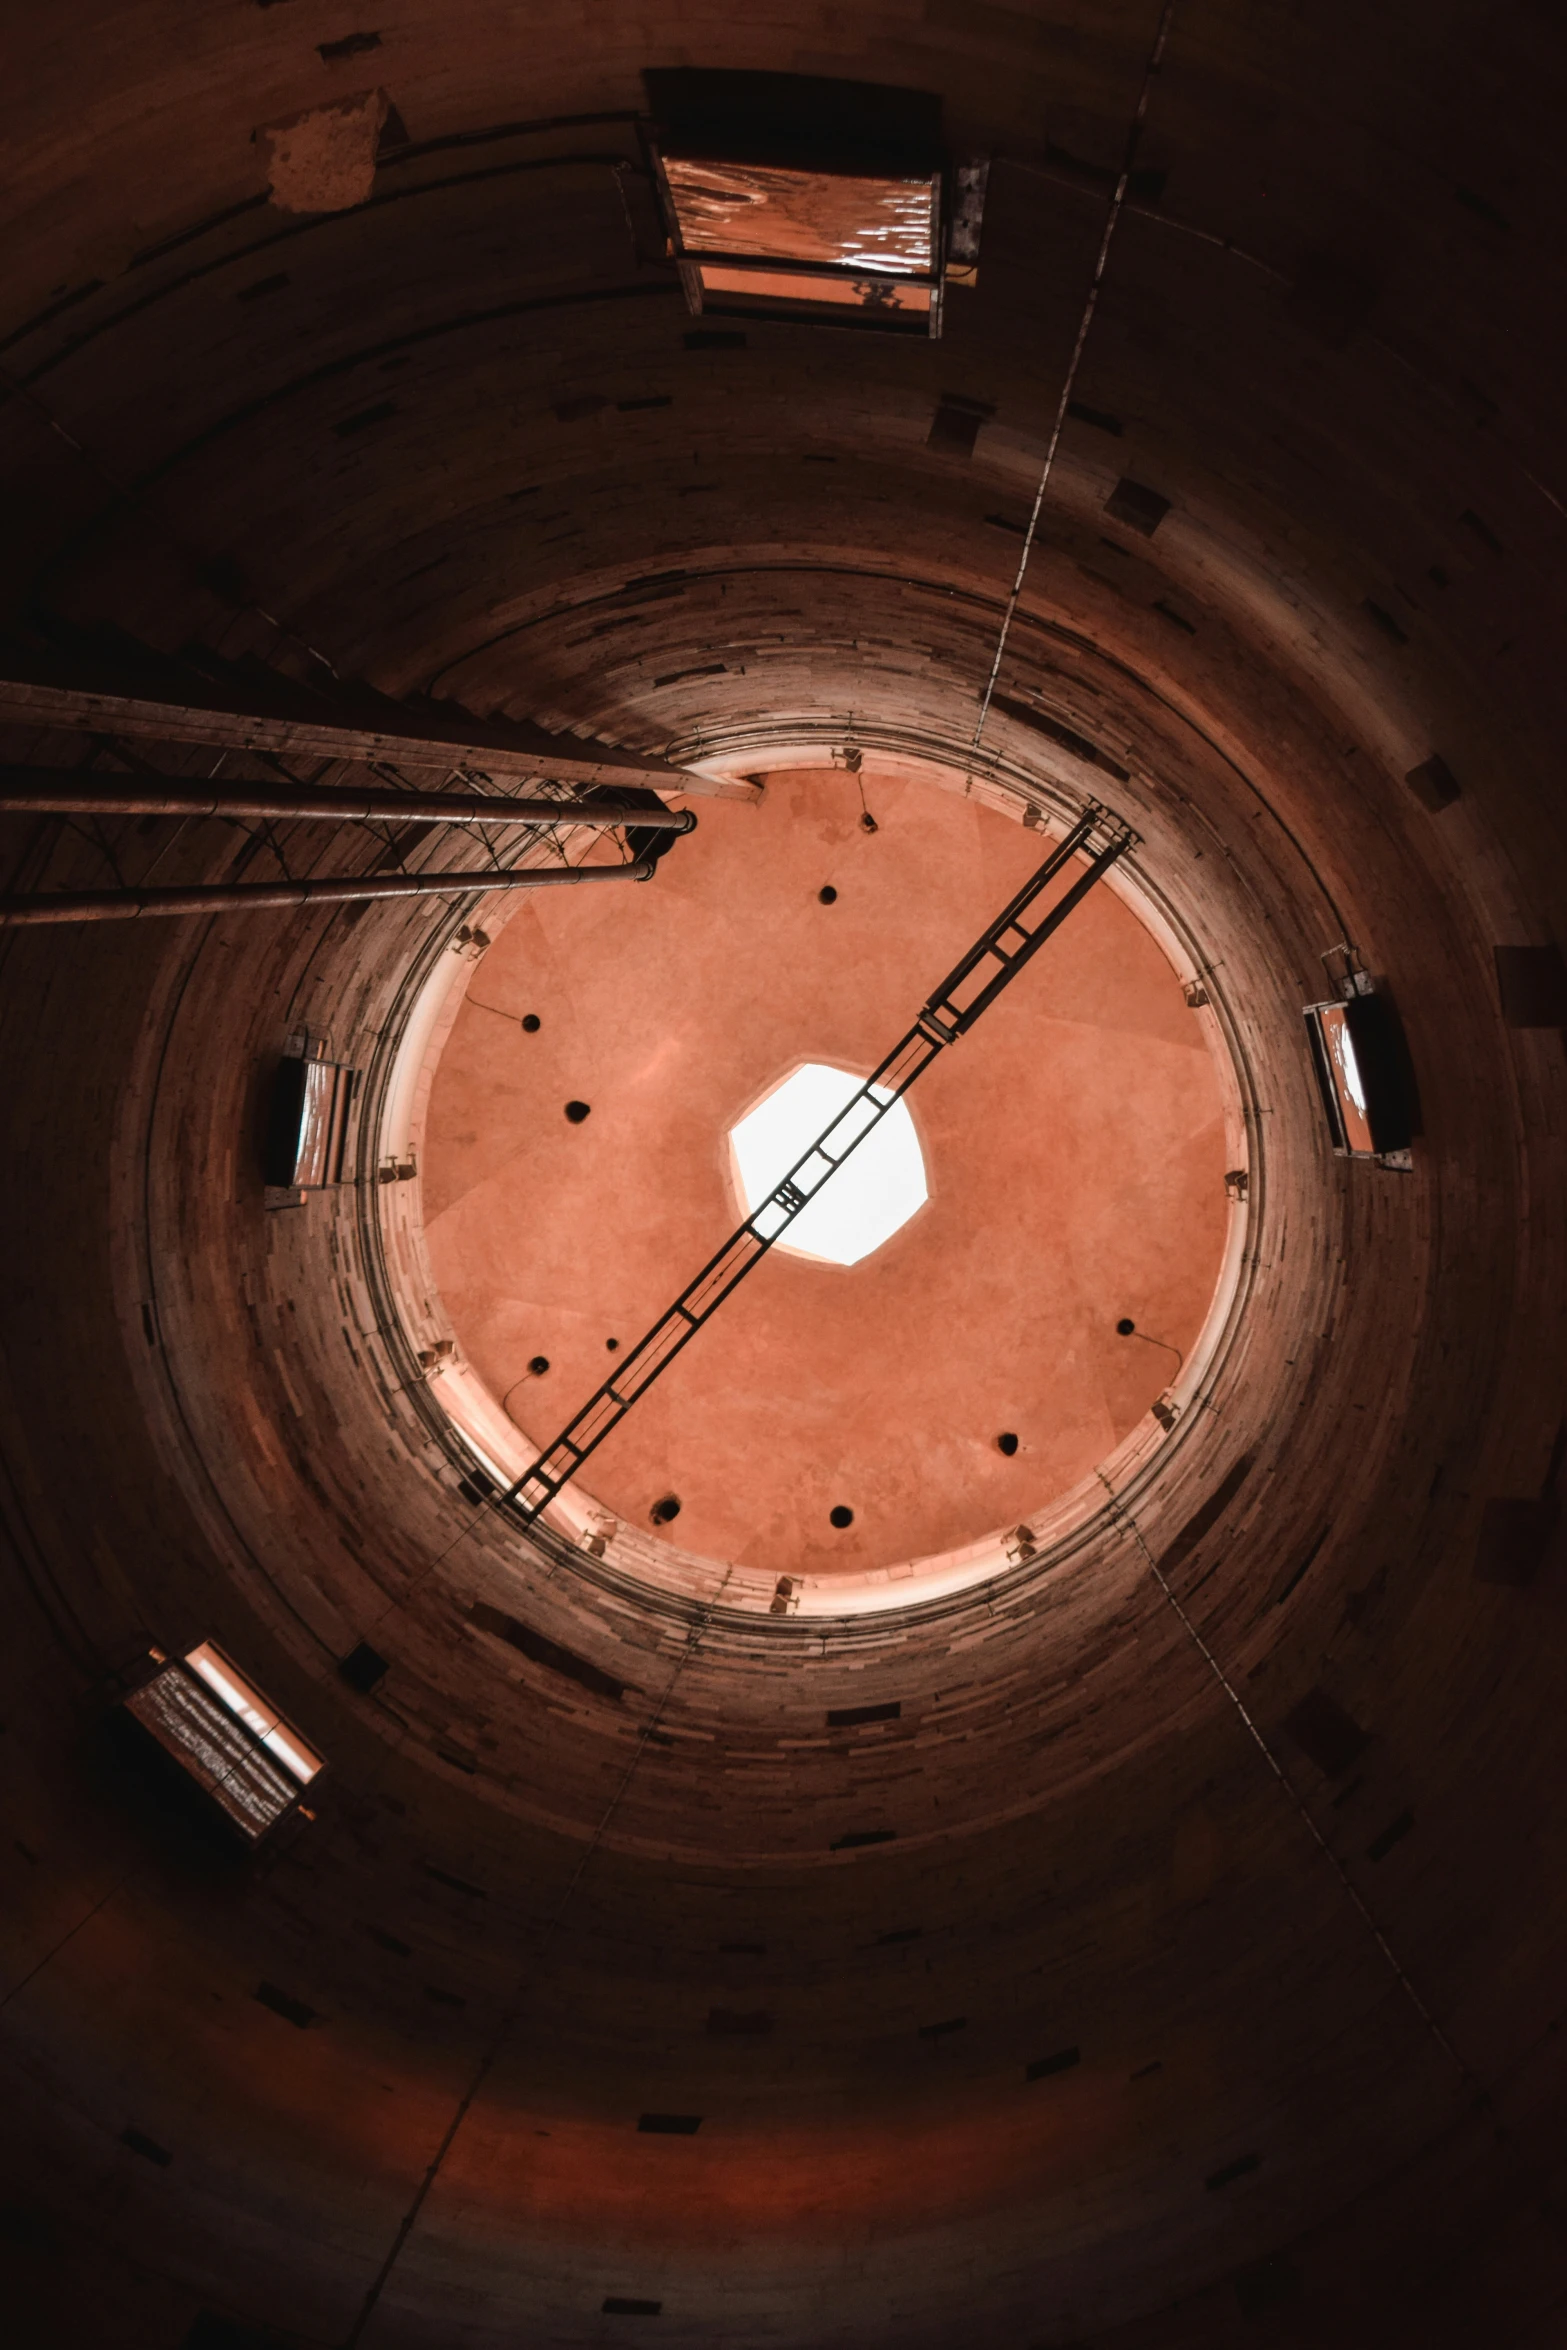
x=1106 y=1890
x=1074 y=1159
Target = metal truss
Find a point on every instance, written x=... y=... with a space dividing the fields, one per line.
x=991 y=964
x=60 y=791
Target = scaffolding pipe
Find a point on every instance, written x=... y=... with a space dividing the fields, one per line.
x=58 y=791
x=124 y=905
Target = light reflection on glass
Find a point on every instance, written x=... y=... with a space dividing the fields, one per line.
x=1347 y=1080
x=244 y=1699
x=787 y=215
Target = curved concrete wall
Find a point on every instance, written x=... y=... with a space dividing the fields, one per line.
x=456 y=439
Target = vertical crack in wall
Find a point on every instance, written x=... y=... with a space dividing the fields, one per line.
x=513 y=2009
x=1134 y=134
x=1350 y=1888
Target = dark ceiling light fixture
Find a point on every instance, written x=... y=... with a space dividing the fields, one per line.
x=1363 y=1075
x=796 y=196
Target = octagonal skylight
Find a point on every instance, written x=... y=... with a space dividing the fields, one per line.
x=872 y=1195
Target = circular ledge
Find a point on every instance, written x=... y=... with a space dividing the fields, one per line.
x=634 y=1552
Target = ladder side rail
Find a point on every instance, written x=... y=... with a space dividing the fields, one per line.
x=1063 y=853
x=1101 y=863
x=818 y=1162
x=745 y=1247
x=66 y=790
x=908 y=1059
x=652 y=1354
x=985 y=983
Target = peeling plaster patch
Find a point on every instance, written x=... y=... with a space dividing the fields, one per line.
x=324 y=161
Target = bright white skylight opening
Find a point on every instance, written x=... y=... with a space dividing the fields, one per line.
x=874 y=1192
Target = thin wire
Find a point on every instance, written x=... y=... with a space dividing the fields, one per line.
x=1117 y=201
x=1164 y=1342
x=421 y=1575
x=69 y=1936
x=1347 y=1882
x=514 y=1017
x=867 y=820
x=269 y=835
x=94 y=840
x=514 y=2005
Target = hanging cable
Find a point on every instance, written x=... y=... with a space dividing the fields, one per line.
x=1117 y=202
x=514 y=2005
x=1347 y=1883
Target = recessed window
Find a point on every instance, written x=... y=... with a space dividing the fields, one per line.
x=874 y=1192
x=1362 y=1072
x=753 y=237
x=308 y=1123
x=792 y=196
x=1348 y=1083
x=229 y=1740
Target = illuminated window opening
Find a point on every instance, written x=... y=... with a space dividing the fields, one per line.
x=793 y=196
x=245 y=1701
x=767 y=283
x=1362 y=1072
x=753 y=238
x=307 y=1136
x=229 y=1741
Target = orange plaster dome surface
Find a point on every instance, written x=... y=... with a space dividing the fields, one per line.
x=1073 y=1146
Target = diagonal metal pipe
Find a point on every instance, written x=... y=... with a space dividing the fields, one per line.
x=124 y=905
x=56 y=791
